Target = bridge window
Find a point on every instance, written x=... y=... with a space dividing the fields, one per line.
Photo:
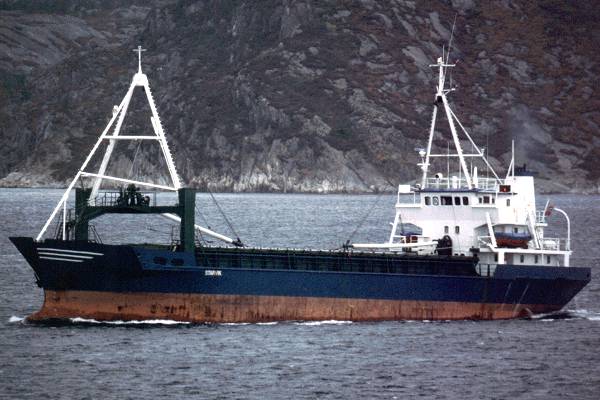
x=446 y=200
x=465 y=201
x=457 y=201
x=427 y=200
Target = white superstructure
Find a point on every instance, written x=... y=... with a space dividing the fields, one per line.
x=491 y=217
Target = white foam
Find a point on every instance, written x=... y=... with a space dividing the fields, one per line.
x=328 y=322
x=582 y=313
x=267 y=323
x=132 y=322
x=14 y=319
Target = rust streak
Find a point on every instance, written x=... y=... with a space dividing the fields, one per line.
x=107 y=306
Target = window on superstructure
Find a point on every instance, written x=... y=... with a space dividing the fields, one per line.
x=446 y=200
x=486 y=199
x=457 y=201
x=536 y=259
x=446 y=229
x=496 y=257
x=465 y=201
x=547 y=259
x=436 y=201
x=480 y=200
x=427 y=200
x=493 y=200
x=522 y=258
x=457 y=229
x=507 y=202
x=516 y=229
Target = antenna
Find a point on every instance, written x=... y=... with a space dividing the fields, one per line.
x=513 y=159
x=139 y=51
x=487 y=149
x=450 y=41
x=449 y=47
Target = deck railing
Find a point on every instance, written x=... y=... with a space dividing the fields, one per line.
x=490 y=184
x=540 y=217
x=110 y=199
x=556 y=244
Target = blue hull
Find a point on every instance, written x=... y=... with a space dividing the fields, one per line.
x=119 y=271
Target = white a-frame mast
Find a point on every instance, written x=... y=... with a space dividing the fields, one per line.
x=441 y=100
x=116 y=122
x=119 y=112
x=139 y=80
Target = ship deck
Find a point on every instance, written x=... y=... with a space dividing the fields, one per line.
x=342 y=261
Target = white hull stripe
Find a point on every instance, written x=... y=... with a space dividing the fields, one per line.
x=61 y=259
x=73 y=256
x=71 y=251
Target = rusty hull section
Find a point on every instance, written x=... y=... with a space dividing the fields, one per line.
x=202 y=308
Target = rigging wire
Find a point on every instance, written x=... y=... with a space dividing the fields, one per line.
x=134 y=158
x=202 y=216
x=364 y=218
x=229 y=224
x=161 y=231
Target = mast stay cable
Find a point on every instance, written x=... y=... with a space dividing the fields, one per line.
x=363 y=220
x=227 y=221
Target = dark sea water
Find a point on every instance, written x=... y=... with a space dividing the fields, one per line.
x=553 y=357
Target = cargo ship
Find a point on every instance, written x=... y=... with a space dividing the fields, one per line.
x=461 y=247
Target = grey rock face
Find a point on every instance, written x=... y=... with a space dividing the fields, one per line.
x=319 y=96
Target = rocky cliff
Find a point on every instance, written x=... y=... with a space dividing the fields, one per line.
x=320 y=96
